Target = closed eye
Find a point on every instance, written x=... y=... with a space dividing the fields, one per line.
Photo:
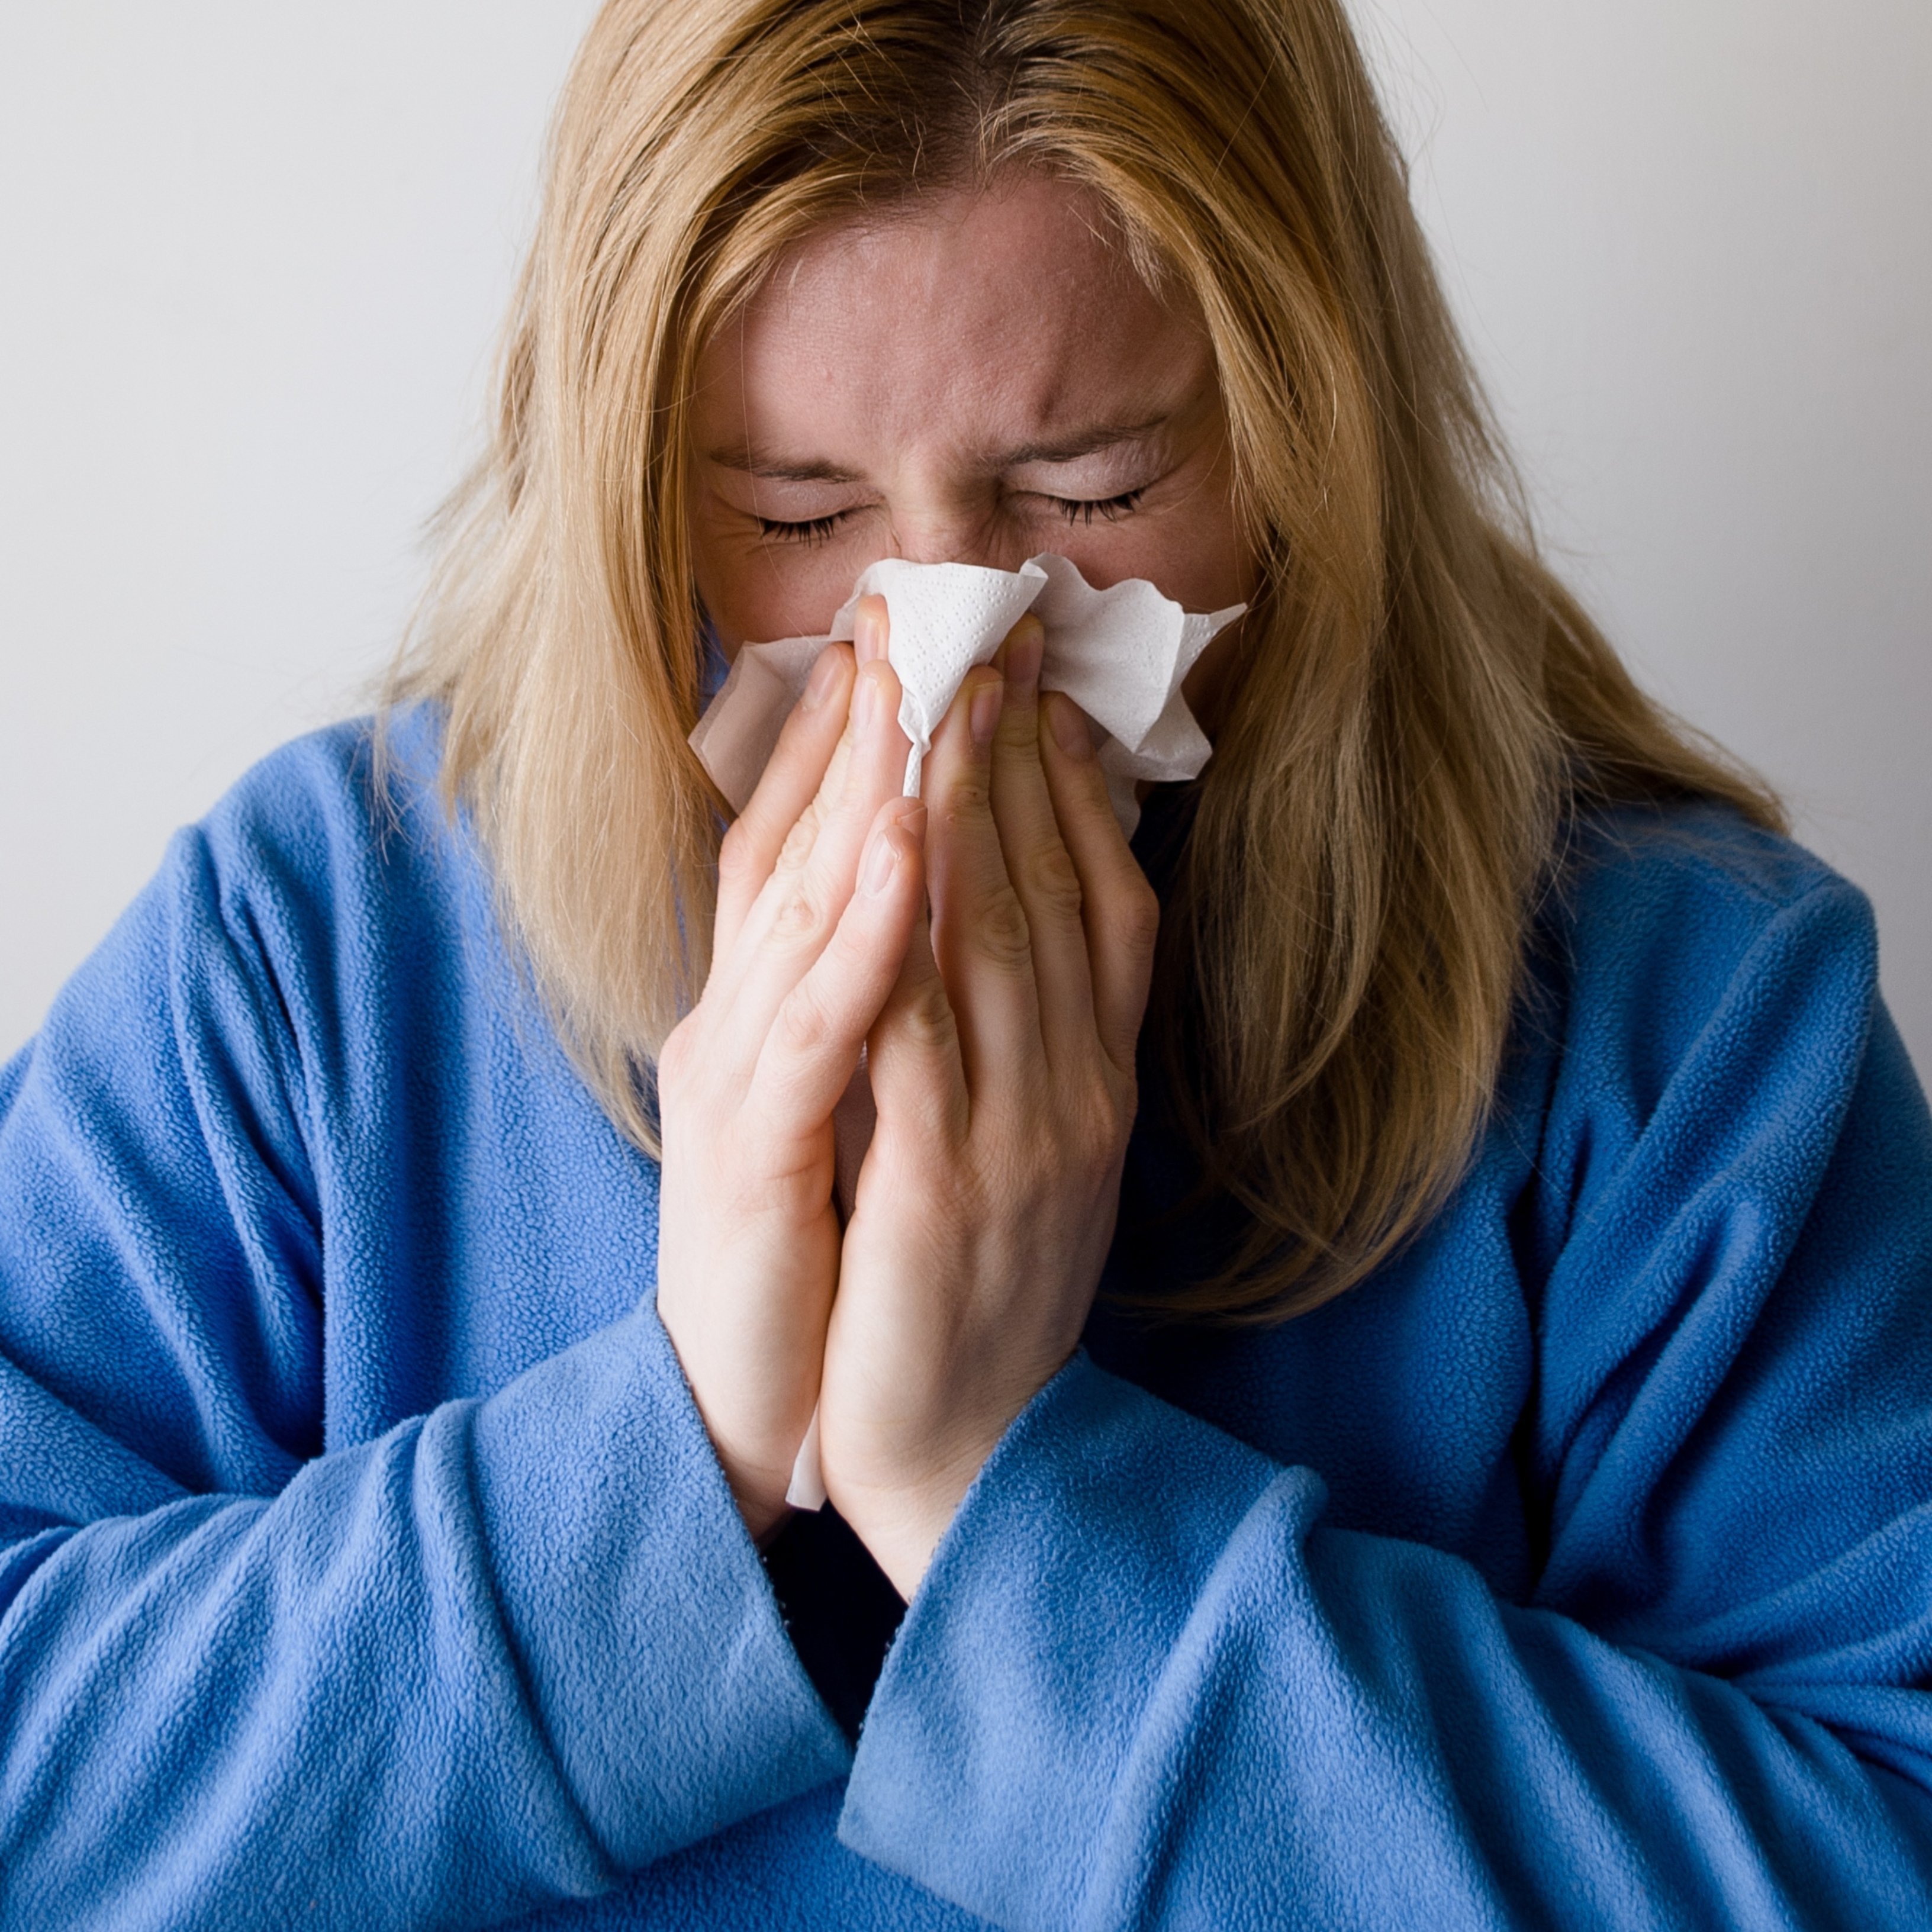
x=1081 y=510
x=1108 y=509
x=814 y=530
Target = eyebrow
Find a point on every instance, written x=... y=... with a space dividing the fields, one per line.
x=775 y=469
x=1084 y=442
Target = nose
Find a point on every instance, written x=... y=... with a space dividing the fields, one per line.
x=963 y=528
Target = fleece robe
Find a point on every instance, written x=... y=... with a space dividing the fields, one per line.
x=364 y=1562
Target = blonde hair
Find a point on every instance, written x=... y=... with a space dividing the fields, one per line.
x=1419 y=703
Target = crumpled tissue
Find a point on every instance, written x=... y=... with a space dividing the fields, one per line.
x=1121 y=654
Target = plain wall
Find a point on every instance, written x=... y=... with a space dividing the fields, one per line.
x=253 y=261
x=1690 y=243
x=255 y=257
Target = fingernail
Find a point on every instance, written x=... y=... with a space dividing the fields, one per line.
x=824 y=679
x=1023 y=650
x=1069 y=728
x=869 y=626
x=882 y=861
x=865 y=702
x=984 y=715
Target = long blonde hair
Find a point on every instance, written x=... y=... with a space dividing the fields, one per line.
x=1419 y=702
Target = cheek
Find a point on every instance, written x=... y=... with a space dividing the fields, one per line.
x=1186 y=538
x=1192 y=553
x=755 y=590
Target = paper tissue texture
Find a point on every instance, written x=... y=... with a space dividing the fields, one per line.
x=1121 y=654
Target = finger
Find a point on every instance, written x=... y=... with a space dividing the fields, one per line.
x=1119 y=909
x=784 y=827
x=813 y=734
x=870 y=768
x=1037 y=861
x=871 y=628
x=919 y=1079
x=792 y=920
x=980 y=937
x=882 y=761
x=812 y=1047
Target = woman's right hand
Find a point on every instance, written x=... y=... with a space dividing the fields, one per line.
x=820 y=881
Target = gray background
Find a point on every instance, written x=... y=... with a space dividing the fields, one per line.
x=254 y=258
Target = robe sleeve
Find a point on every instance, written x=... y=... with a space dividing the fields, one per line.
x=510 y=1652
x=1145 y=1685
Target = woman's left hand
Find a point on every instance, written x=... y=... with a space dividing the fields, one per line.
x=1003 y=1067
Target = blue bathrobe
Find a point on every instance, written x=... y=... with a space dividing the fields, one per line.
x=364 y=1562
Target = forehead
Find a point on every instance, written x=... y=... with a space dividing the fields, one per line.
x=989 y=318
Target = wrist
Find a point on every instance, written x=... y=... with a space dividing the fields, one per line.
x=760 y=1499
x=763 y=1525
x=903 y=1526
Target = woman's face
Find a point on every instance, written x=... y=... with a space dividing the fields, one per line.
x=978 y=380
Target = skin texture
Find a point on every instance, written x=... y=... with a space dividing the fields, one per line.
x=941 y=385
x=890 y=376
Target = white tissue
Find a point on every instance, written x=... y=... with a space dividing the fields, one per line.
x=1121 y=655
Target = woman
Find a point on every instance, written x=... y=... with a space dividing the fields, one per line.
x=1493 y=1489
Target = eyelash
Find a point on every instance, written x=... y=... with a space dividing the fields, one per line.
x=1075 y=509
x=814 y=531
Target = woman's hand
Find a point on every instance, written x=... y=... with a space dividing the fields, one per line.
x=1003 y=1066
x=819 y=885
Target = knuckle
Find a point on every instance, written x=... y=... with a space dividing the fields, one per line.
x=1085 y=1112
x=928 y=1017
x=1037 y=1164
x=1101 y=1129
x=1053 y=882
x=799 y=841
x=1002 y=931
x=967 y=801
x=1018 y=728
x=802 y=919
x=805 y=1026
